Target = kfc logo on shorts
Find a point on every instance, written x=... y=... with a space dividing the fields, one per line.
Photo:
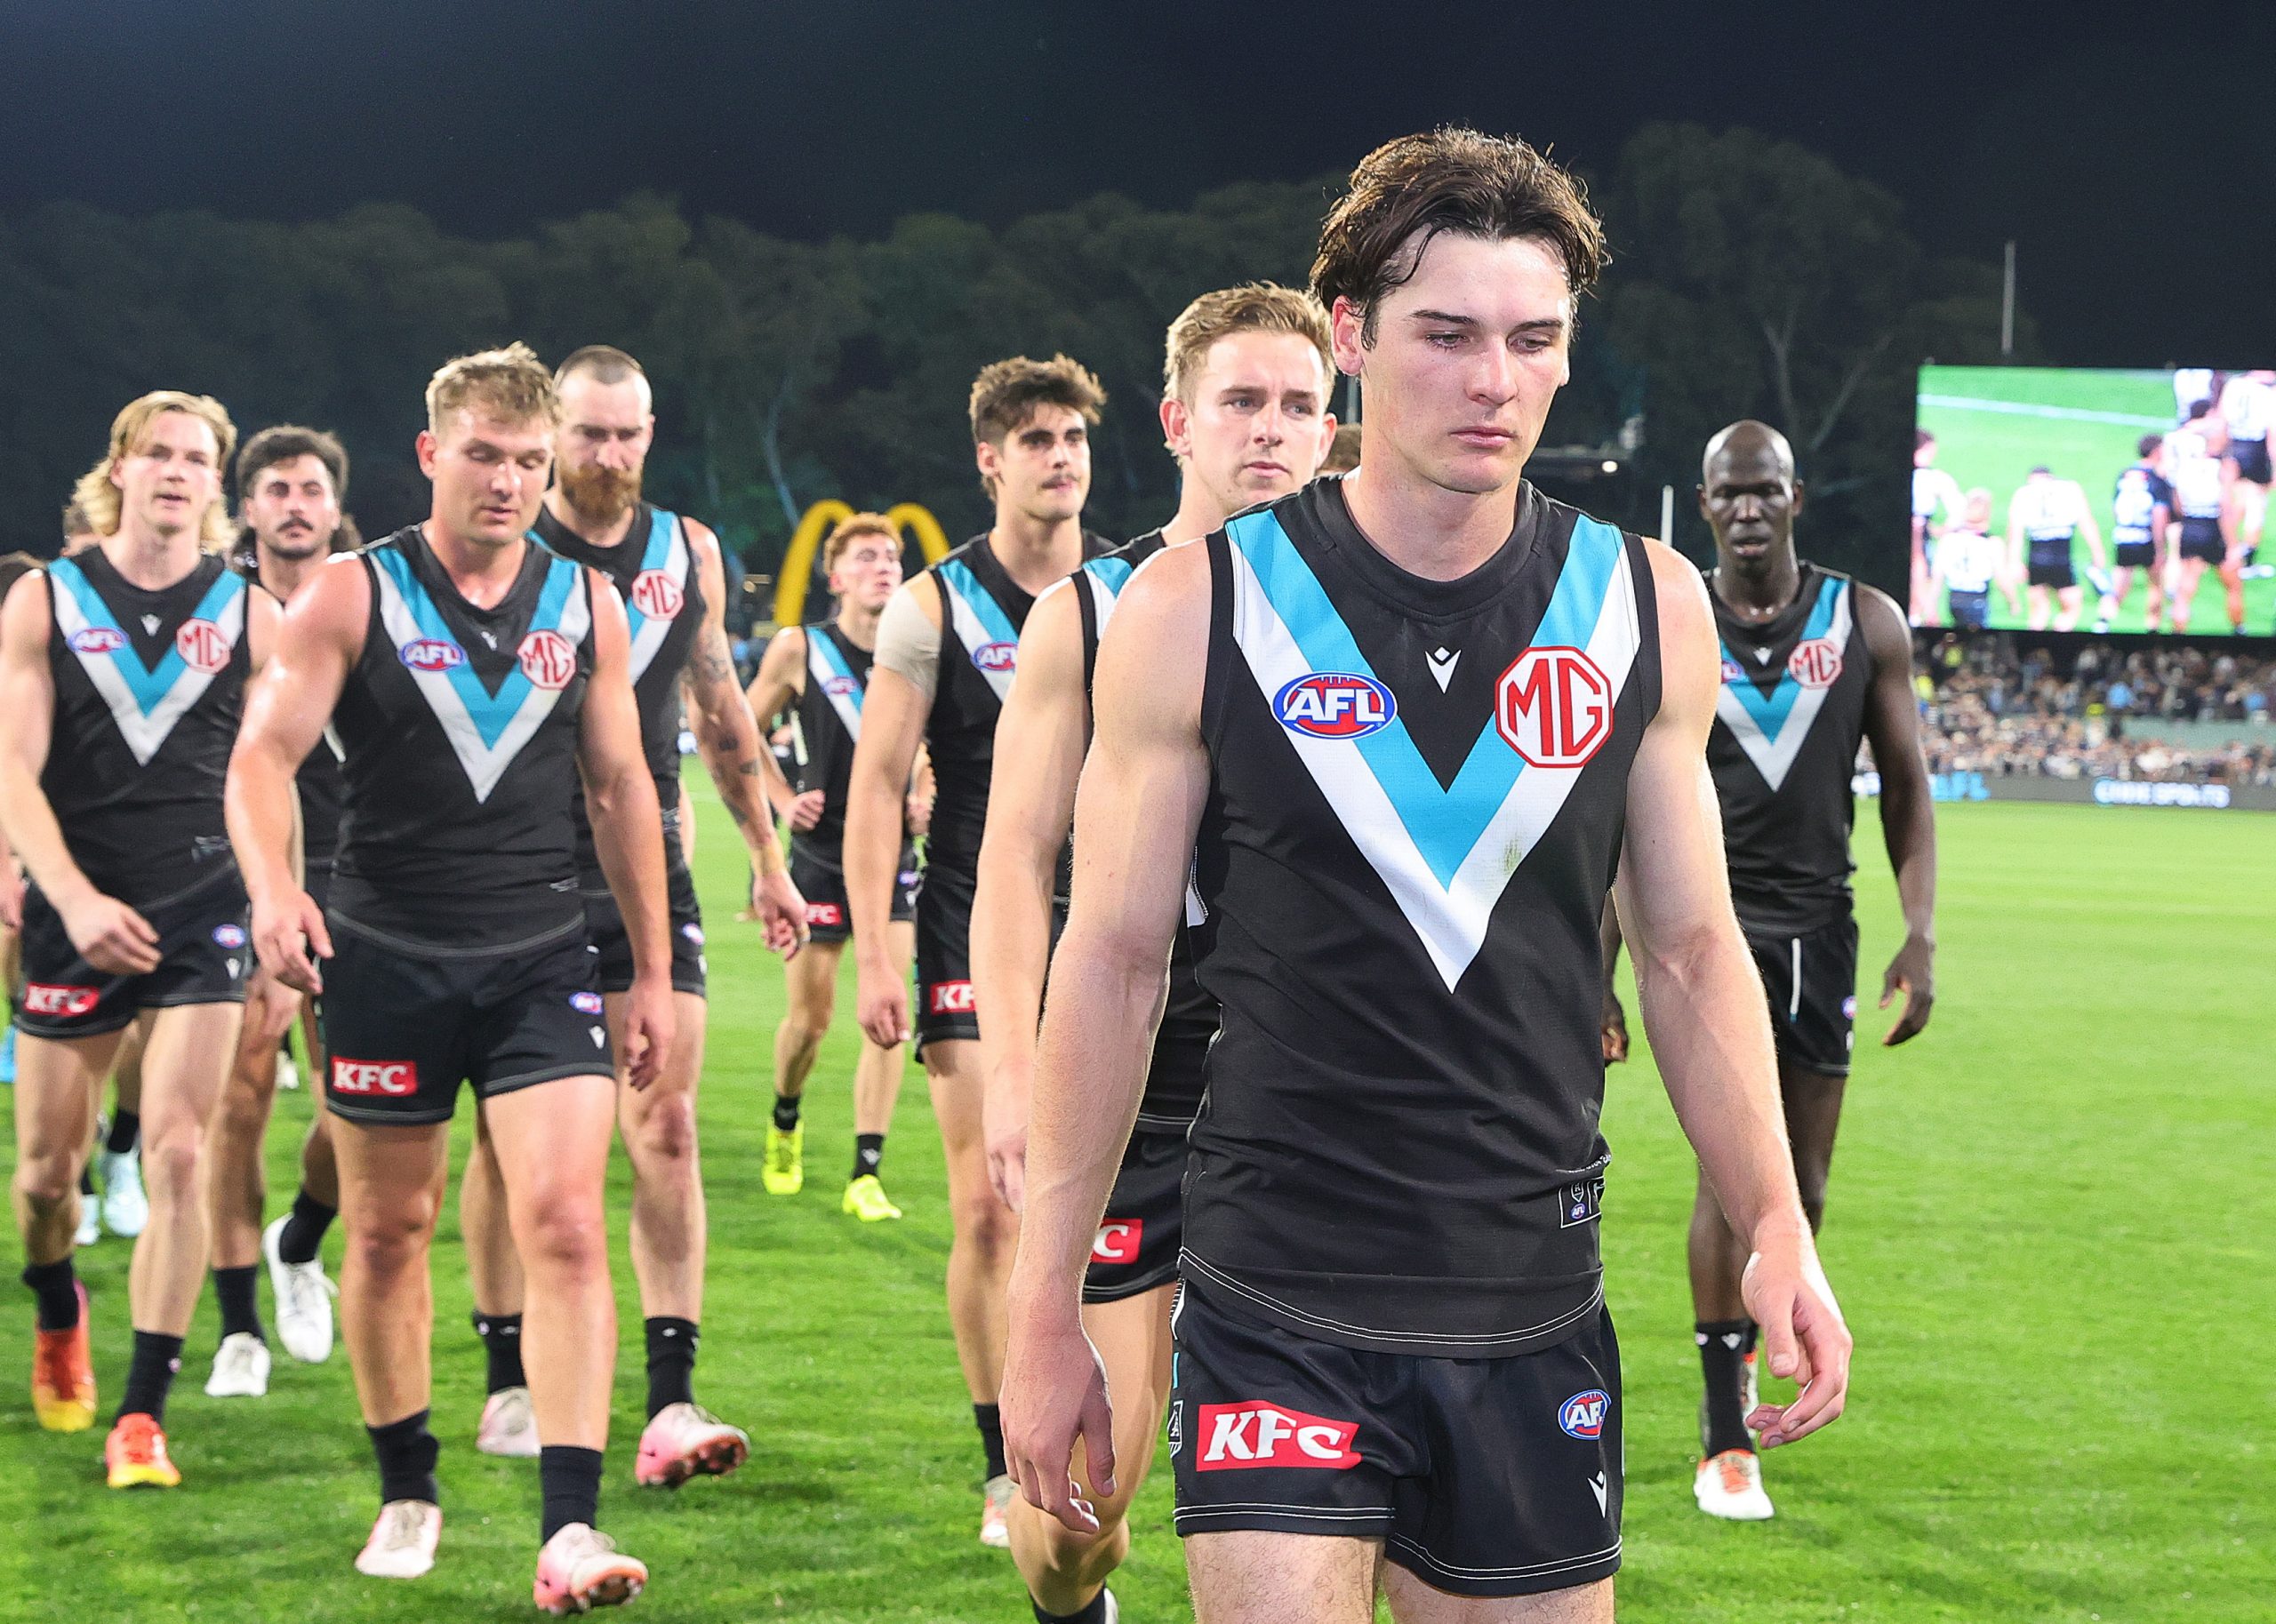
x=1117 y=1241
x=1815 y=664
x=394 y=1078
x=657 y=595
x=431 y=654
x=47 y=998
x=548 y=659
x=231 y=936
x=98 y=640
x=1554 y=706
x=1334 y=705
x=827 y=914
x=997 y=656
x=1582 y=1416
x=1237 y=1437
x=952 y=998
x=202 y=645
x=587 y=1002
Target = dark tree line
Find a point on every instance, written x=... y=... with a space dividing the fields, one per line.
x=1751 y=279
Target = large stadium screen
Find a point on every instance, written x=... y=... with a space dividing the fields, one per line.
x=2089 y=498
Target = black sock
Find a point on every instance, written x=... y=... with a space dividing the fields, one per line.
x=303 y=1232
x=671 y=1362
x=406 y=1452
x=570 y=1479
x=869 y=1154
x=786 y=1111
x=233 y=1289
x=501 y=1339
x=57 y=1287
x=991 y=1422
x=1723 y=1346
x=155 y=1360
x=1095 y=1613
x=126 y=1128
x=87 y=1177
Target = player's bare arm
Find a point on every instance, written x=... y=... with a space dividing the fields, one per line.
x=628 y=832
x=1039 y=741
x=727 y=738
x=1702 y=1007
x=1139 y=804
x=779 y=682
x=112 y=936
x=1908 y=810
x=894 y=713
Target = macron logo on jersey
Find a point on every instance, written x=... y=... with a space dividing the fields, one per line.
x=1241 y=1436
x=1117 y=1241
x=393 y=1078
x=49 y=998
x=1334 y=705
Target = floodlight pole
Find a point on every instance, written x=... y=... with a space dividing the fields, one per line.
x=2008 y=307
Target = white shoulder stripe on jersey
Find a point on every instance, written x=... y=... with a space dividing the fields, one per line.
x=819 y=669
x=973 y=634
x=655 y=628
x=144 y=733
x=1773 y=756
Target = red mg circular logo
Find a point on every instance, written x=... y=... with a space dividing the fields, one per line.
x=657 y=595
x=548 y=659
x=1815 y=664
x=1554 y=706
x=202 y=646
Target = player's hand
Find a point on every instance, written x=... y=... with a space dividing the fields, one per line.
x=289 y=937
x=1912 y=972
x=1786 y=1293
x=12 y=897
x=780 y=912
x=1054 y=1393
x=1004 y=1130
x=806 y=809
x=112 y=936
x=918 y=812
x=1613 y=1028
x=881 y=1004
x=650 y=1025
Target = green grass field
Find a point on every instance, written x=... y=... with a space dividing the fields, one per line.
x=2054 y=1230
x=1993 y=425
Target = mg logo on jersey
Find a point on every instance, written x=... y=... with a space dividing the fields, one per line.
x=1117 y=1241
x=1815 y=664
x=547 y=659
x=202 y=646
x=98 y=640
x=1334 y=705
x=825 y=913
x=431 y=654
x=393 y=1078
x=952 y=998
x=1236 y=1436
x=997 y=656
x=656 y=594
x=1582 y=1416
x=47 y=998
x=1554 y=706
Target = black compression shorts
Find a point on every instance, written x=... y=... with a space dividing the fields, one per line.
x=821 y=882
x=944 y=1006
x=612 y=947
x=1138 y=1239
x=1812 y=983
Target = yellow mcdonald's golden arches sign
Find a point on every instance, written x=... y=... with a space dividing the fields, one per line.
x=806 y=542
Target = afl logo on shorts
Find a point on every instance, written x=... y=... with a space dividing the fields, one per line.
x=657 y=595
x=997 y=656
x=1334 y=705
x=431 y=654
x=228 y=936
x=586 y=1002
x=547 y=659
x=202 y=645
x=693 y=931
x=1554 y=706
x=840 y=687
x=1815 y=664
x=98 y=640
x=1582 y=1416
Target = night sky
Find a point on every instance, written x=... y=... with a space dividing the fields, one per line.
x=2133 y=160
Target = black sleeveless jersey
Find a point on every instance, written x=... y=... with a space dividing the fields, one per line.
x=828 y=719
x=460 y=726
x=1783 y=751
x=982 y=612
x=1416 y=802
x=654 y=572
x=318 y=778
x=148 y=689
x=1182 y=1041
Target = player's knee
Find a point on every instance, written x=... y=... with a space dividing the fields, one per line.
x=985 y=1224
x=664 y=1140
x=564 y=1233
x=45 y=1177
x=804 y=1028
x=1088 y=1556
x=170 y=1160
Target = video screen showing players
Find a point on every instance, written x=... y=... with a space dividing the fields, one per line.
x=2092 y=499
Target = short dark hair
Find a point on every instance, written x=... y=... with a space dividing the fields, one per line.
x=2199 y=408
x=1407 y=191
x=2148 y=443
x=605 y=361
x=1006 y=393
x=283 y=444
x=13 y=568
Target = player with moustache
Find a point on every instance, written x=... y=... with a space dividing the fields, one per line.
x=1244 y=409
x=1394 y=1367
x=1813 y=663
x=475 y=680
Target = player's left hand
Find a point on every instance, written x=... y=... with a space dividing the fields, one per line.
x=1055 y=1392
x=1912 y=972
x=917 y=810
x=650 y=1025
x=1806 y=1342
x=1613 y=1028
x=780 y=912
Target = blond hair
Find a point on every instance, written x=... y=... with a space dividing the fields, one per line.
x=98 y=500
x=510 y=384
x=1253 y=306
x=851 y=528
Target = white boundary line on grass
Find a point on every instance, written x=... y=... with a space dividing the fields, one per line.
x=2074 y=414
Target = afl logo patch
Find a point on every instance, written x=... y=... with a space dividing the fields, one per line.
x=228 y=936
x=1334 y=705
x=98 y=640
x=693 y=931
x=1815 y=664
x=547 y=659
x=996 y=656
x=202 y=645
x=1732 y=672
x=840 y=687
x=657 y=595
x=1582 y=1416
x=586 y=1002
x=431 y=654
